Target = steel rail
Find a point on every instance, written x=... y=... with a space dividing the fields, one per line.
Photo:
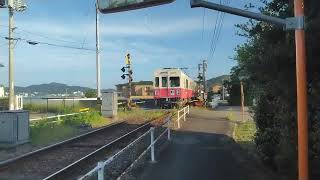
x=6 y=162
x=109 y=145
x=65 y=169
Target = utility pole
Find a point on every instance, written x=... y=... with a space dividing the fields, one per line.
x=13 y=5
x=11 y=63
x=302 y=104
x=204 y=71
x=222 y=92
x=200 y=80
x=292 y=23
x=98 y=65
x=242 y=101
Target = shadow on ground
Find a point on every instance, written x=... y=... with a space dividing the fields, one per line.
x=196 y=155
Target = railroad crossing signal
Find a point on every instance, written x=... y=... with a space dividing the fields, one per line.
x=129 y=75
x=128 y=60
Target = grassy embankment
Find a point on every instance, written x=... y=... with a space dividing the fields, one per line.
x=140 y=115
x=49 y=131
x=244 y=132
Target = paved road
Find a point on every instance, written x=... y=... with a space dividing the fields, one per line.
x=202 y=149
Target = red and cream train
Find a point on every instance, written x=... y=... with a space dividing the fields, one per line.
x=172 y=87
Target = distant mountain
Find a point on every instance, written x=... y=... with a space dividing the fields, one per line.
x=217 y=80
x=51 y=88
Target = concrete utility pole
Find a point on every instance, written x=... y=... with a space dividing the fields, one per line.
x=242 y=101
x=98 y=63
x=200 y=80
x=11 y=63
x=222 y=92
x=204 y=71
x=292 y=23
x=13 y=5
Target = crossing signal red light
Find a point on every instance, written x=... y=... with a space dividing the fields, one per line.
x=123 y=69
x=123 y=76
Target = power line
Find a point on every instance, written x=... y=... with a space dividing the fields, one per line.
x=42 y=36
x=57 y=45
x=33 y=42
x=203 y=18
x=213 y=35
x=87 y=16
x=217 y=31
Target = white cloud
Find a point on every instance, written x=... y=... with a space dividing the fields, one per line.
x=78 y=30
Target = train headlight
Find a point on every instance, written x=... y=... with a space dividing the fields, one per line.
x=178 y=92
x=172 y=92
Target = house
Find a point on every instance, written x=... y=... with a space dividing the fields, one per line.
x=216 y=88
x=141 y=88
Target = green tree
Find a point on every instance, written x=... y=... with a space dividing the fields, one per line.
x=268 y=60
x=90 y=94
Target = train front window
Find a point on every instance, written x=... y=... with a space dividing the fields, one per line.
x=174 y=81
x=164 y=82
x=156 y=82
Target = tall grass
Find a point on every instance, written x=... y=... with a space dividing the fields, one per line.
x=48 y=131
x=53 y=130
x=140 y=115
x=244 y=135
x=57 y=108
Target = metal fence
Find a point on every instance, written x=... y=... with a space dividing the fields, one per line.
x=99 y=170
x=182 y=114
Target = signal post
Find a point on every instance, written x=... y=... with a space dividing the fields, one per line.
x=129 y=75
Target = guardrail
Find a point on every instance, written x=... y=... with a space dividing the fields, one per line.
x=57 y=116
x=102 y=164
x=185 y=110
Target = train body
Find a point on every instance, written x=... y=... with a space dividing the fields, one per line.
x=172 y=87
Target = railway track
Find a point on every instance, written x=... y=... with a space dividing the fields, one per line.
x=74 y=157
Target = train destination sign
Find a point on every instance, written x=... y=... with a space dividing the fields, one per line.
x=113 y=6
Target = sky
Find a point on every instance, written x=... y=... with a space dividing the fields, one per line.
x=172 y=35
